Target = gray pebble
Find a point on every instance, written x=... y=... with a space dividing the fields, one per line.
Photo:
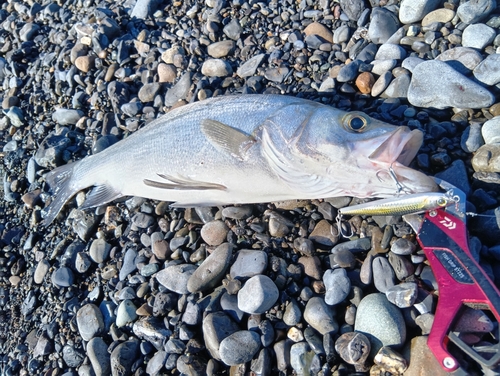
x=293 y=313
x=398 y=88
x=282 y=351
x=99 y=250
x=229 y=304
x=381 y=67
x=143 y=9
x=381 y=321
x=148 y=92
x=411 y=62
x=383 y=24
x=343 y=258
x=41 y=270
x=462 y=59
x=383 y=274
x=337 y=285
x=381 y=84
x=125 y=313
x=216 y=68
x=472 y=139
x=249 y=68
x=89 y=321
x=276 y=74
x=435 y=84
x=390 y=52
x=257 y=295
x=82 y=262
x=411 y=11
x=239 y=347
x=303 y=359
x=156 y=363
x=212 y=270
x=403 y=247
x=478 y=36
x=176 y=277
x=97 y=351
x=237 y=212
x=216 y=327
x=401 y=266
x=425 y=322
x=248 y=263
x=152 y=329
x=233 y=29
x=16 y=116
x=123 y=356
x=488 y=71
x=348 y=72
x=220 y=49
x=355 y=246
x=72 y=357
x=491 y=131
x=304 y=246
x=353 y=8
x=62 y=277
x=179 y=90
x=402 y=295
x=128 y=265
x=320 y=316
x=341 y=34
x=474 y=11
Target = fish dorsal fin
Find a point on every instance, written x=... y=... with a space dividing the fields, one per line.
x=309 y=184
x=226 y=138
x=100 y=195
x=181 y=183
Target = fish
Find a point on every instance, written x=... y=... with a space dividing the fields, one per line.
x=409 y=204
x=245 y=149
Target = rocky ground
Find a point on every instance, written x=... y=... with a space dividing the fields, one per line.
x=126 y=288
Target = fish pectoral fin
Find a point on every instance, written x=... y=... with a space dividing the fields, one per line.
x=226 y=138
x=100 y=195
x=180 y=183
x=303 y=181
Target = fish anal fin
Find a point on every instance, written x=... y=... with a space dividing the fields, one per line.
x=226 y=138
x=100 y=195
x=180 y=183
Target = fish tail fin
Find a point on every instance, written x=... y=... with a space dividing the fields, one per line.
x=59 y=181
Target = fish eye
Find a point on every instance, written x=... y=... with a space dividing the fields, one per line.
x=355 y=122
x=441 y=202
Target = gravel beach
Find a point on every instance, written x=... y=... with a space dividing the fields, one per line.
x=137 y=287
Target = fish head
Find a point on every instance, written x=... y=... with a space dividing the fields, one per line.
x=360 y=155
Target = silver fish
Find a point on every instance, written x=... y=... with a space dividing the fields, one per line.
x=248 y=149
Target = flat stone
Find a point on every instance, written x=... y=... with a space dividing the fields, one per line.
x=212 y=269
x=381 y=321
x=381 y=84
x=478 y=36
x=216 y=68
x=156 y=363
x=403 y=247
x=152 y=330
x=249 y=67
x=176 y=277
x=320 y=316
x=238 y=212
x=99 y=250
x=89 y=321
x=64 y=116
x=239 y=347
x=411 y=11
x=488 y=70
x=337 y=285
x=248 y=263
x=62 y=277
x=41 y=270
x=442 y=15
x=435 y=84
x=311 y=266
x=257 y=295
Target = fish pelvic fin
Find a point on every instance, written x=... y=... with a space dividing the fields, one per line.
x=59 y=181
x=180 y=183
x=100 y=195
x=227 y=139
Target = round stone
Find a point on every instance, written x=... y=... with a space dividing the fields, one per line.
x=214 y=232
x=126 y=313
x=353 y=347
x=62 y=277
x=491 y=130
x=216 y=68
x=381 y=321
x=99 y=250
x=166 y=73
x=239 y=347
x=320 y=316
x=257 y=295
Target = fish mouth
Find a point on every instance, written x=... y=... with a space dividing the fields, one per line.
x=394 y=155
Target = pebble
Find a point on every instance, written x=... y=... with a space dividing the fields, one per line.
x=411 y=11
x=348 y=72
x=248 y=263
x=148 y=92
x=237 y=212
x=478 y=36
x=214 y=232
x=216 y=68
x=398 y=88
x=99 y=250
x=316 y=28
x=126 y=313
x=402 y=267
x=338 y=286
x=389 y=361
x=442 y=15
x=462 y=59
x=62 y=277
x=293 y=313
x=123 y=356
x=128 y=265
x=64 y=116
x=383 y=274
x=403 y=247
x=89 y=321
x=176 y=277
x=320 y=316
x=488 y=70
x=311 y=266
x=354 y=348
x=491 y=131
x=85 y=63
x=257 y=295
x=212 y=270
x=381 y=321
x=472 y=12
x=302 y=359
x=472 y=139
x=343 y=258
x=249 y=68
x=402 y=295
x=41 y=270
x=156 y=363
x=239 y=347
x=97 y=351
x=383 y=24
x=381 y=84
x=324 y=234
x=221 y=49
x=435 y=84
x=216 y=327
x=365 y=82
x=166 y=73
x=389 y=51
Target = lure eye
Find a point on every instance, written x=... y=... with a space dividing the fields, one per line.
x=441 y=202
x=355 y=122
